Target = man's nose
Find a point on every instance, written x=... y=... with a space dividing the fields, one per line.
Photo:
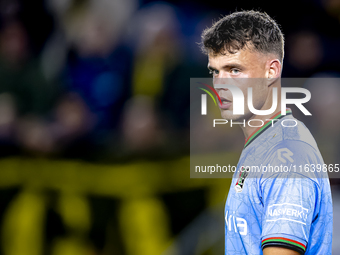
x=219 y=81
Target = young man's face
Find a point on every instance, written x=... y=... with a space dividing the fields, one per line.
x=240 y=69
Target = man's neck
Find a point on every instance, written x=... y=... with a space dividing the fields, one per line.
x=249 y=130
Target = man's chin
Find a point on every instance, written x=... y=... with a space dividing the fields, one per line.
x=228 y=115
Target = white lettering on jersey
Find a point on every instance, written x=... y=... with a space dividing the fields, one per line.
x=287 y=211
x=285 y=153
x=239 y=224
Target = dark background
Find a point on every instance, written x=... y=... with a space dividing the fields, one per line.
x=94 y=121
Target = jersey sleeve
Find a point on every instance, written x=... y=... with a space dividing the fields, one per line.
x=290 y=198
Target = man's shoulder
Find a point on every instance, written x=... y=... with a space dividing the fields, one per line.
x=294 y=137
x=286 y=134
x=298 y=132
x=295 y=152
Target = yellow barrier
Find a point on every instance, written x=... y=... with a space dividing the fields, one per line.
x=143 y=217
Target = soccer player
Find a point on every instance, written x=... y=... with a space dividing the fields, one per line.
x=271 y=212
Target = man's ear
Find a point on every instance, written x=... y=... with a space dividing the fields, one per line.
x=274 y=68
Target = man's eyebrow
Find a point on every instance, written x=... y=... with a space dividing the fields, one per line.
x=232 y=65
x=211 y=67
x=227 y=66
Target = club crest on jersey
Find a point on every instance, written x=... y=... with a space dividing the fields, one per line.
x=241 y=178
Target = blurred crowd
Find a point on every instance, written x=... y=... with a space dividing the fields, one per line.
x=103 y=79
x=106 y=81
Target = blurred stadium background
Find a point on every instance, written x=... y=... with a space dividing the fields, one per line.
x=94 y=122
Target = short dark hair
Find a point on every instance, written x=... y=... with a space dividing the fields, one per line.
x=253 y=29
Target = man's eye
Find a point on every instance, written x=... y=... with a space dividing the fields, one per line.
x=213 y=72
x=235 y=71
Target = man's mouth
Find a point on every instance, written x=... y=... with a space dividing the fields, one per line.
x=225 y=103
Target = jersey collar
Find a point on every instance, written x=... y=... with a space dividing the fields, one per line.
x=260 y=130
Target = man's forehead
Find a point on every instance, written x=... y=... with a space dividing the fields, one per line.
x=226 y=57
x=229 y=51
x=241 y=56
